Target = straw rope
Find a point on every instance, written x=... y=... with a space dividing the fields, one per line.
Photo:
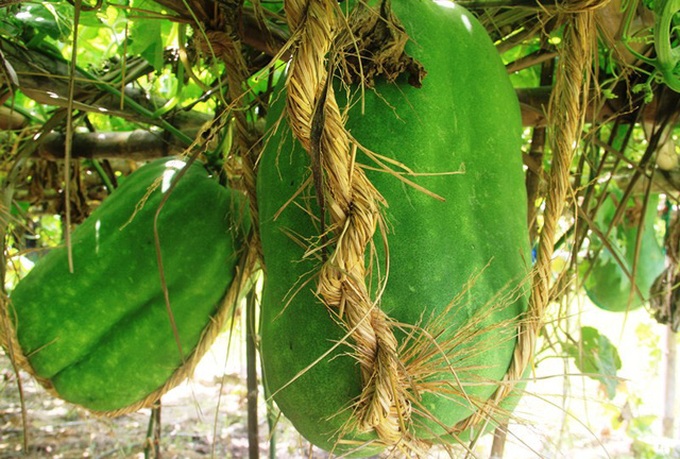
x=224 y=43
x=353 y=207
x=565 y=119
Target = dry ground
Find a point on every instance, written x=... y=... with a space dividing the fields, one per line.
x=206 y=417
x=202 y=418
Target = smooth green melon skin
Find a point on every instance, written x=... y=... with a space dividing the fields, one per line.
x=608 y=286
x=101 y=334
x=465 y=117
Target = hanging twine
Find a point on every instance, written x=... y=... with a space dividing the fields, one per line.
x=566 y=113
x=353 y=210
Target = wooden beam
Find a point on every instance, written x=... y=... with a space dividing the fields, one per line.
x=137 y=145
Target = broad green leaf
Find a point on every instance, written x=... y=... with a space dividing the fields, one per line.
x=45 y=18
x=146 y=40
x=596 y=357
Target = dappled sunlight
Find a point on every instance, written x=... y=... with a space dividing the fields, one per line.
x=172 y=168
x=97 y=234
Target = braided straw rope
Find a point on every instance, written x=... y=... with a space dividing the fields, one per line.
x=353 y=207
x=566 y=118
x=227 y=46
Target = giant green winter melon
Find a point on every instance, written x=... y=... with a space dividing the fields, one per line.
x=607 y=279
x=102 y=336
x=457 y=269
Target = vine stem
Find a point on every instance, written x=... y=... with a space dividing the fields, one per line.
x=69 y=135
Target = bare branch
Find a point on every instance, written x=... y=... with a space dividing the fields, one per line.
x=137 y=145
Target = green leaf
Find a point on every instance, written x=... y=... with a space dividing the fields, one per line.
x=608 y=283
x=46 y=18
x=596 y=357
x=20 y=208
x=146 y=41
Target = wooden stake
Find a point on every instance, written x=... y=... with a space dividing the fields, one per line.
x=251 y=378
x=669 y=383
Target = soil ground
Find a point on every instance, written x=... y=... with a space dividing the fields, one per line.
x=205 y=417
